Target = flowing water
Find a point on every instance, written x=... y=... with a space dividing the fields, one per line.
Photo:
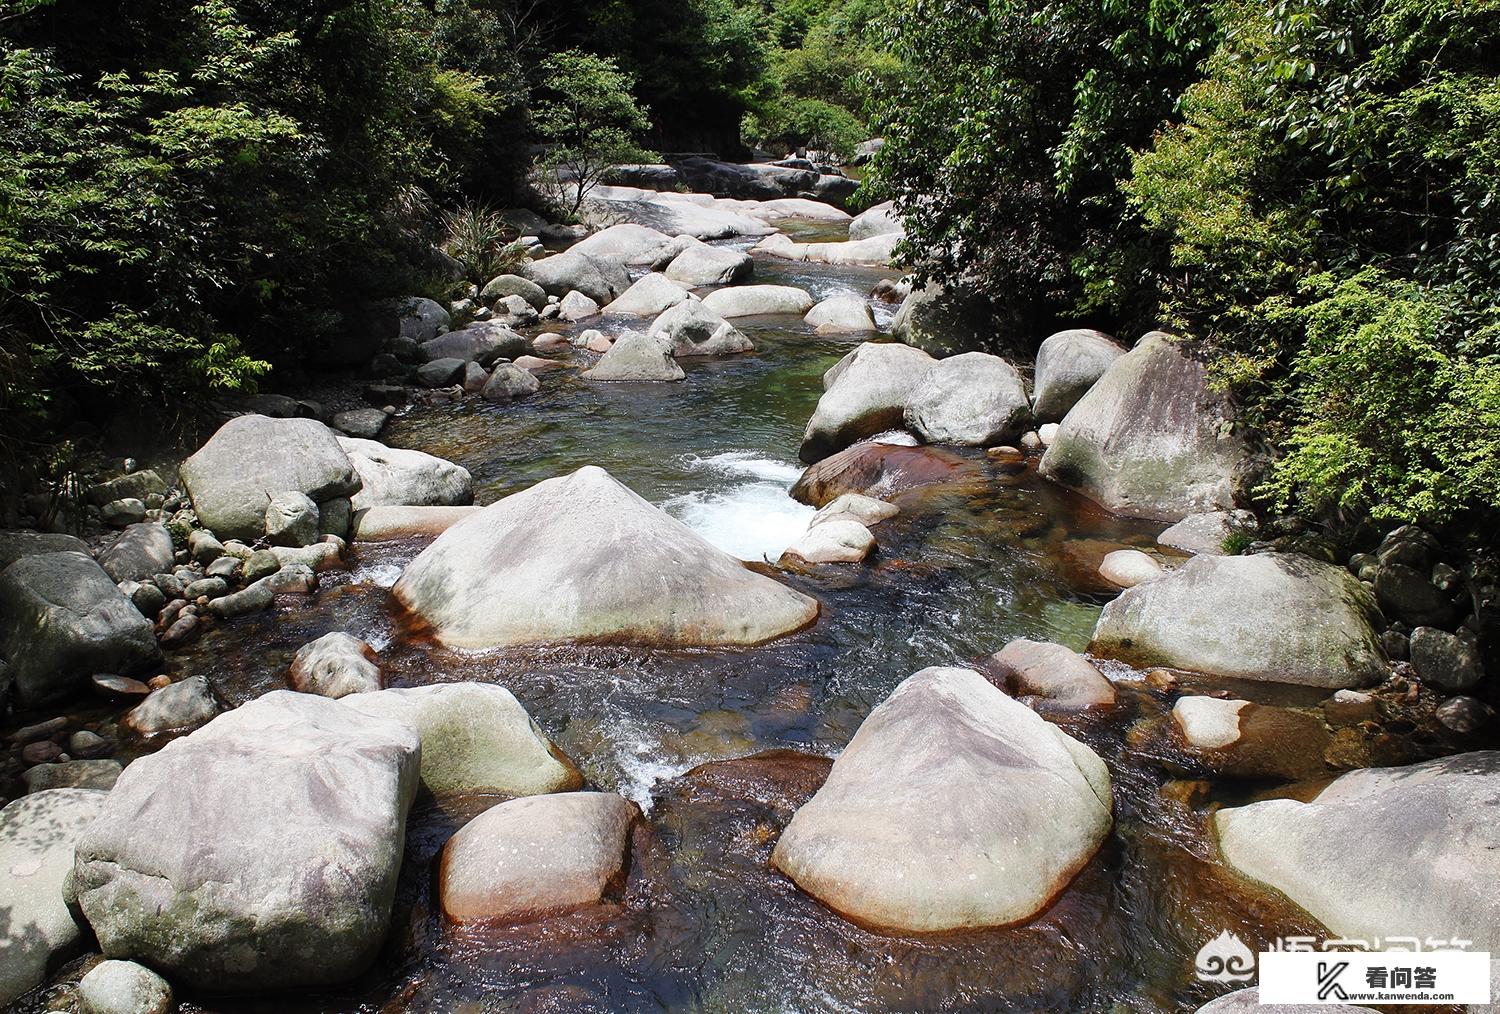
x=719 y=747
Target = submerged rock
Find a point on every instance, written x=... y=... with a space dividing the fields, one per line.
x=954 y=807
x=1244 y=740
x=399 y=477
x=865 y=393
x=1276 y=617
x=532 y=857
x=1151 y=439
x=37 y=833
x=973 y=399
x=582 y=557
x=335 y=665
x=1383 y=852
x=476 y=739
x=62 y=620
x=1067 y=365
x=252 y=458
x=260 y=852
x=1051 y=671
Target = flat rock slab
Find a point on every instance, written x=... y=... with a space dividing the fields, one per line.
x=583 y=558
x=531 y=857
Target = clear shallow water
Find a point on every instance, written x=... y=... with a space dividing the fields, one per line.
x=704 y=924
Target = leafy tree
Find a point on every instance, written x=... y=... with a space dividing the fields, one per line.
x=592 y=124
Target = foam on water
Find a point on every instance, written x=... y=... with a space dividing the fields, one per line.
x=744 y=464
x=752 y=520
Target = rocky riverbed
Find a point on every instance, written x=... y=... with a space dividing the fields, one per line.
x=662 y=635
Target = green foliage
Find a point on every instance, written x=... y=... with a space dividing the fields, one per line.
x=590 y=121
x=1329 y=200
x=482 y=240
x=1007 y=133
x=789 y=124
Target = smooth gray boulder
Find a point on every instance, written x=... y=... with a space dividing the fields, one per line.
x=37 y=833
x=1151 y=439
x=141 y=550
x=865 y=394
x=292 y=519
x=973 y=399
x=837 y=540
x=423 y=319
x=361 y=422
x=758 y=300
x=18 y=542
x=483 y=343
x=500 y=286
x=953 y=807
x=531 y=857
x=441 y=372
x=508 y=383
x=62 y=620
x=842 y=314
x=583 y=558
x=636 y=357
x=1051 y=671
x=124 y=987
x=251 y=458
x=392 y=477
x=650 y=295
x=476 y=739
x=1204 y=534
x=1275 y=617
x=879 y=220
x=700 y=264
x=597 y=278
x=694 y=330
x=335 y=665
x=260 y=852
x=1383 y=852
x=186 y=704
x=576 y=306
x=626 y=243
x=1067 y=365
x=943 y=321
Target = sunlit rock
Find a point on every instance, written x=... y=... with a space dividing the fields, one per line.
x=1053 y=672
x=1067 y=365
x=864 y=394
x=972 y=399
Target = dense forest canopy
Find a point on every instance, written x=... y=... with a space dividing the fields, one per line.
x=195 y=192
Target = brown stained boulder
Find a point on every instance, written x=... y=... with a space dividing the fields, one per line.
x=1051 y=671
x=883 y=470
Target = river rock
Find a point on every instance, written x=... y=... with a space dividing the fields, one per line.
x=251 y=458
x=361 y=422
x=381 y=524
x=1409 y=546
x=509 y=382
x=1151 y=439
x=1409 y=595
x=1464 y=714
x=865 y=393
x=140 y=551
x=532 y=857
x=841 y=314
x=973 y=399
x=1445 y=660
x=700 y=264
x=174 y=707
x=576 y=306
x=876 y=468
x=499 y=287
x=260 y=852
x=476 y=739
x=1208 y=723
x=1276 y=617
x=1051 y=671
x=482 y=343
x=291 y=520
x=855 y=507
x=16 y=543
x=1240 y=739
x=124 y=987
x=252 y=598
x=130 y=486
x=37 y=833
x=1383 y=852
x=599 y=279
x=1067 y=365
x=61 y=620
x=581 y=557
x=758 y=300
x=694 y=330
x=1206 y=533
x=627 y=243
x=1129 y=567
x=874 y=251
x=649 y=296
x=441 y=372
x=1247 y=1001
x=423 y=319
x=840 y=540
x=405 y=478
x=335 y=665
x=953 y=807
x=636 y=356
x=72 y=774
x=879 y=220
x=943 y=321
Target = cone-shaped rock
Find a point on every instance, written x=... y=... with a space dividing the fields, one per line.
x=582 y=557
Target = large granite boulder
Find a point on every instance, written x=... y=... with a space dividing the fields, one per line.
x=844 y=313
x=476 y=739
x=259 y=852
x=141 y=550
x=482 y=342
x=865 y=394
x=251 y=458
x=37 y=833
x=537 y=856
x=953 y=807
x=61 y=620
x=702 y=264
x=1384 y=852
x=1150 y=439
x=876 y=251
x=626 y=243
x=636 y=357
x=943 y=321
x=392 y=477
x=879 y=220
x=694 y=330
x=758 y=300
x=1067 y=365
x=1277 y=617
x=500 y=286
x=973 y=399
x=651 y=294
x=596 y=277
x=583 y=558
